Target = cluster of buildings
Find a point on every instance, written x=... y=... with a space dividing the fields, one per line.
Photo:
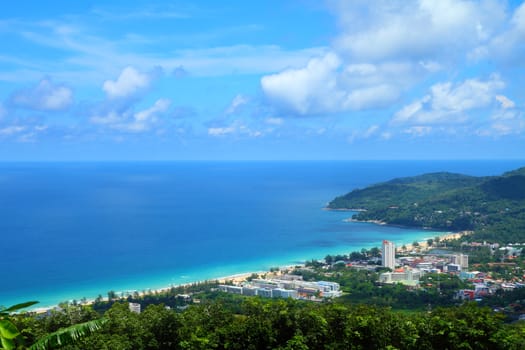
x=287 y=286
x=408 y=270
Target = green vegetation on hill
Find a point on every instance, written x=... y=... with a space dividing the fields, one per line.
x=257 y=323
x=494 y=207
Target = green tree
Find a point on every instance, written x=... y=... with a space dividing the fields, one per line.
x=9 y=333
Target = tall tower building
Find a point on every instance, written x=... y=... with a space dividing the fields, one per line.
x=388 y=256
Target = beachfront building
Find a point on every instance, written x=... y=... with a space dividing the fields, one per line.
x=134 y=307
x=388 y=254
x=285 y=288
x=461 y=260
x=406 y=275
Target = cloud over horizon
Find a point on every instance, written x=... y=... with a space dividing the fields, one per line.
x=352 y=75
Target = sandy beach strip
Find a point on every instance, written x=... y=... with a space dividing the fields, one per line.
x=446 y=236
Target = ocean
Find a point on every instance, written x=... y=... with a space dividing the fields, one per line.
x=74 y=230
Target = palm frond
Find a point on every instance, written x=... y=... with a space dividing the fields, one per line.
x=18 y=307
x=68 y=335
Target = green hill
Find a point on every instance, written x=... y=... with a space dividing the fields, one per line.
x=494 y=207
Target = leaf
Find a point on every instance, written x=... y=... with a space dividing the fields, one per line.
x=68 y=335
x=8 y=330
x=20 y=306
x=7 y=344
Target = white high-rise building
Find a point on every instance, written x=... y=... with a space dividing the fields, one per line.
x=388 y=256
x=461 y=260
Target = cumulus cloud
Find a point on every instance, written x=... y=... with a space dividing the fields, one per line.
x=237 y=102
x=384 y=48
x=237 y=127
x=418 y=130
x=160 y=106
x=448 y=102
x=509 y=44
x=129 y=82
x=418 y=29
x=220 y=131
x=506 y=103
x=327 y=85
x=45 y=96
x=12 y=129
x=508 y=119
x=22 y=132
x=307 y=90
x=127 y=120
x=363 y=134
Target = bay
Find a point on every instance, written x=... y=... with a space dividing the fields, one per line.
x=73 y=230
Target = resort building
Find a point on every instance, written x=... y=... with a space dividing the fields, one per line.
x=461 y=260
x=406 y=276
x=388 y=256
x=134 y=307
x=285 y=288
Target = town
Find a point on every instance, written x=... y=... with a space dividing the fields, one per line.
x=399 y=266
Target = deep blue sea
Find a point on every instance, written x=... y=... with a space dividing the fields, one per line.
x=73 y=230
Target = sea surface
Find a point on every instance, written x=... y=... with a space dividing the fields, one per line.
x=74 y=230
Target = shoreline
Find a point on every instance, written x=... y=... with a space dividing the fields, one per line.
x=422 y=245
x=237 y=278
x=240 y=277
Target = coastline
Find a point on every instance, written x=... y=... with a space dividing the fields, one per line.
x=234 y=278
x=422 y=245
x=239 y=277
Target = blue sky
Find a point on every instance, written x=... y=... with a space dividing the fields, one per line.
x=298 y=79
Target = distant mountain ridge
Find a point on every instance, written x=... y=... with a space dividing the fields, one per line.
x=492 y=206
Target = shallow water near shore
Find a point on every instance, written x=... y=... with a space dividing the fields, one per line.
x=73 y=230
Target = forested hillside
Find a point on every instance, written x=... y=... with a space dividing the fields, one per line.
x=494 y=207
x=254 y=323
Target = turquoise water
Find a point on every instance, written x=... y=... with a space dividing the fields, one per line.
x=73 y=230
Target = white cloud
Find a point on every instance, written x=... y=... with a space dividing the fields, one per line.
x=237 y=102
x=418 y=29
x=418 y=130
x=472 y=93
x=221 y=131
x=237 y=127
x=507 y=120
x=307 y=90
x=11 y=130
x=363 y=134
x=509 y=44
x=160 y=106
x=23 y=133
x=128 y=121
x=506 y=103
x=448 y=102
x=129 y=82
x=45 y=96
x=371 y=131
x=325 y=85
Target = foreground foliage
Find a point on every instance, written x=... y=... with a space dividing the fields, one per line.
x=11 y=338
x=254 y=323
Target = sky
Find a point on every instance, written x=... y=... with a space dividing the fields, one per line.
x=262 y=80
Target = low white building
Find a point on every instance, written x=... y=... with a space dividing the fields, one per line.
x=134 y=307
